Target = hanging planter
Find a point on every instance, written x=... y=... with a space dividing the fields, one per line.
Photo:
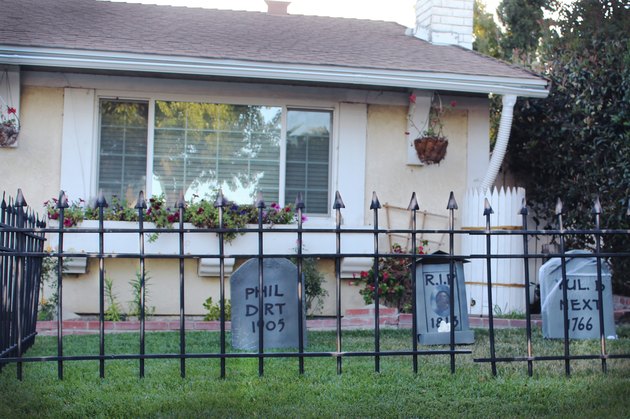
x=431 y=145
x=8 y=134
x=431 y=149
x=9 y=121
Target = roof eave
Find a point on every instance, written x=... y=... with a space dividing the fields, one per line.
x=63 y=58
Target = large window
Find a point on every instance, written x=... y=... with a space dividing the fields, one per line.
x=198 y=148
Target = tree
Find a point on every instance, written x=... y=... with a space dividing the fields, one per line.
x=523 y=20
x=486 y=31
x=575 y=143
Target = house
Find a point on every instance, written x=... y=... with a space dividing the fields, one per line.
x=105 y=92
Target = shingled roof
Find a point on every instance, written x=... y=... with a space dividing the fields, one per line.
x=101 y=34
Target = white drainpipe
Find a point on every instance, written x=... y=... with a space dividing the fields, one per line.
x=500 y=147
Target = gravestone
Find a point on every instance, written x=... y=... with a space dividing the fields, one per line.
x=433 y=303
x=582 y=298
x=280 y=305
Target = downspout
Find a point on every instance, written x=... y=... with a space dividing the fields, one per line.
x=503 y=138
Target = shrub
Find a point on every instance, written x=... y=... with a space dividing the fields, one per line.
x=394 y=274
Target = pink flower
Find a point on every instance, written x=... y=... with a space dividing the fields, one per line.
x=304 y=218
x=67 y=222
x=453 y=103
x=385 y=276
x=412 y=98
x=11 y=110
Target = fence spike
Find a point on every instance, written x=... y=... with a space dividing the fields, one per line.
x=338 y=204
x=487 y=209
x=413 y=203
x=597 y=206
x=558 y=206
x=375 y=202
x=141 y=203
x=19 y=199
x=101 y=202
x=524 y=210
x=260 y=202
x=3 y=205
x=181 y=202
x=220 y=202
x=62 y=202
x=452 y=204
x=299 y=201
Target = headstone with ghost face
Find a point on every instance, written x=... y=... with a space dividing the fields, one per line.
x=433 y=303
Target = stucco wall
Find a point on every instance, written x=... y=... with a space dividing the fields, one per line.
x=394 y=180
x=34 y=164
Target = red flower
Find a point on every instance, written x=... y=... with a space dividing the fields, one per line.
x=385 y=276
x=67 y=222
x=11 y=110
x=287 y=209
x=412 y=98
x=364 y=274
x=453 y=103
x=200 y=210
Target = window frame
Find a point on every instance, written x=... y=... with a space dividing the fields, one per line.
x=285 y=105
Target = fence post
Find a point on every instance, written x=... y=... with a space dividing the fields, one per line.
x=20 y=203
x=528 y=315
x=451 y=207
x=374 y=206
x=62 y=204
x=487 y=211
x=141 y=206
x=565 y=295
x=414 y=207
x=260 y=204
x=101 y=203
x=299 y=207
x=181 y=205
x=337 y=206
x=597 y=210
x=220 y=203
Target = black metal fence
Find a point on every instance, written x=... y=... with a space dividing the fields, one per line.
x=22 y=244
x=21 y=253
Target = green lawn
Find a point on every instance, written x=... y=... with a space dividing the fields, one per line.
x=359 y=392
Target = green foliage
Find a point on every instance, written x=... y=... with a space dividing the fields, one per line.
x=523 y=20
x=201 y=213
x=48 y=307
x=575 y=143
x=313 y=286
x=135 y=305
x=394 y=275
x=214 y=310
x=486 y=31
x=113 y=313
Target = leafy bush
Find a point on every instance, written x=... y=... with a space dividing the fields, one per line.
x=214 y=310
x=394 y=275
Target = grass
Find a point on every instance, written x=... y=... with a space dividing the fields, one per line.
x=282 y=392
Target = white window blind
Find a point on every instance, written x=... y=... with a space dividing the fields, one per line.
x=308 y=158
x=123 y=148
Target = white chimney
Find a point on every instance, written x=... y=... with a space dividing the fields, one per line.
x=276 y=7
x=445 y=22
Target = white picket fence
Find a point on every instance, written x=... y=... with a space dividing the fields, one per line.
x=508 y=287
